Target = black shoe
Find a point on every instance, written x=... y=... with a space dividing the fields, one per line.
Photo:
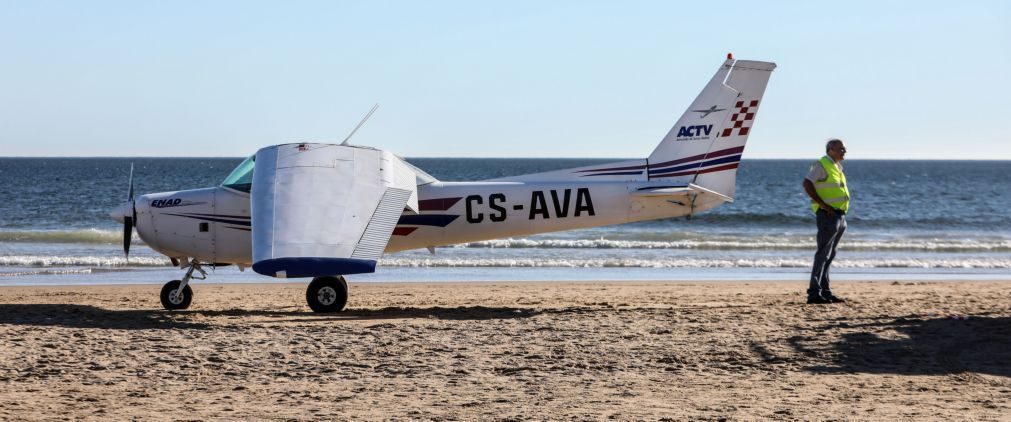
x=817 y=300
x=835 y=299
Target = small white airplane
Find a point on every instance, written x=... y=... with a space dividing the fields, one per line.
x=326 y=211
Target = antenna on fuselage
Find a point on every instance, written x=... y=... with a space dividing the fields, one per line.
x=364 y=119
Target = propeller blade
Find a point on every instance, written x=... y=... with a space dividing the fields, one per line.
x=127 y=235
x=129 y=194
x=129 y=219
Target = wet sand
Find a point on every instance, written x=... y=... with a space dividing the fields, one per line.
x=625 y=350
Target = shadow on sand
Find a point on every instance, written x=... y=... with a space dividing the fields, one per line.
x=86 y=316
x=937 y=346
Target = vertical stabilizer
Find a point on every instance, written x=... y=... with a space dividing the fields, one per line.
x=705 y=145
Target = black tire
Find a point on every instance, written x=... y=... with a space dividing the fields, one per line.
x=177 y=303
x=327 y=294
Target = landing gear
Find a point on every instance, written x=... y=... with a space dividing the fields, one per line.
x=327 y=294
x=177 y=294
x=172 y=297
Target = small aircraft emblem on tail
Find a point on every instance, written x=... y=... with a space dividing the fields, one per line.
x=708 y=111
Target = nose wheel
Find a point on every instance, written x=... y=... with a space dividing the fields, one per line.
x=173 y=297
x=327 y=294
x=177 y=294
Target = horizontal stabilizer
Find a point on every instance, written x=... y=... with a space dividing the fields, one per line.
x=679 y=191
x=663 y=191
x=702 y=190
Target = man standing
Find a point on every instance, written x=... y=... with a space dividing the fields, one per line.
x=830 y=199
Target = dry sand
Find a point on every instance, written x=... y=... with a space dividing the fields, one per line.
x=510 y=351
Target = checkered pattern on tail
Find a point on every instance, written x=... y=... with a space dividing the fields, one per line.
x=744 y=115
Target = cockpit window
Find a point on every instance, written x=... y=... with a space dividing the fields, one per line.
x=241 y=178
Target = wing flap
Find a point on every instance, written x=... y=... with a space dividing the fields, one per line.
x=381 y=225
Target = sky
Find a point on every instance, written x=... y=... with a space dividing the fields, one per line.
x=895 y=80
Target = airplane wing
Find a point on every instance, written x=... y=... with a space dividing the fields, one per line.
x=320 y=209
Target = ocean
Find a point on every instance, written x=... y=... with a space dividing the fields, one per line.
x=908 y=220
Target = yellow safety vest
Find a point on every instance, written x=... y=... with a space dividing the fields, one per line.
x=833 y=189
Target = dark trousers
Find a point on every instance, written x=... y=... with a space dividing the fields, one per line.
x=830 y=230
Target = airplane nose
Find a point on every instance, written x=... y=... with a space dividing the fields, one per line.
x=120 y=212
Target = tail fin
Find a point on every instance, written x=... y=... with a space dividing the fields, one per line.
x=705 y=145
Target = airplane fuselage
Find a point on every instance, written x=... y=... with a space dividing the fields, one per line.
x=324 y=211
x=213 y=224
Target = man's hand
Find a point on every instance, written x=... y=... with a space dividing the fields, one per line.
x=811 y=192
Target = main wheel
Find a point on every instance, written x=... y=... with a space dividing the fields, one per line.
x=172 y=298
x=327 y=294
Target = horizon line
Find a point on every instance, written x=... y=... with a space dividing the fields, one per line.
x=487 y=158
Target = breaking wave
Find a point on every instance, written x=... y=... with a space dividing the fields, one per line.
x=643 y=240
x=51 y=264
x=694 y=263
x=81 y=261
x=93 y=236
x=783 y=243
x=865 y=218
x=66 y=271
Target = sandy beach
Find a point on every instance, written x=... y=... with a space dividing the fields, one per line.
x=510 y=351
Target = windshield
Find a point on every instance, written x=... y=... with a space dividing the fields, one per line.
x=242 y=177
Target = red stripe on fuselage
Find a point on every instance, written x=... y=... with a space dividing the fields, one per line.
x=437 y=204
x=689 y=172
x=403 y=231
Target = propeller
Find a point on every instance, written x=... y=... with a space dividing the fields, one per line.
x=128 y=218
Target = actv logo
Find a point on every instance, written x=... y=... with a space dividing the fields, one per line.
x=693 y=131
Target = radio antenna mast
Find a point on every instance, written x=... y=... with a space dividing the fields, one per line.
x=364 y=119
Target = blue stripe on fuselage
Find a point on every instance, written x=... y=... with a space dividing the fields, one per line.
x=438 y=220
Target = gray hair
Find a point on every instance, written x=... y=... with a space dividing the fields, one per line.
x=833 y=141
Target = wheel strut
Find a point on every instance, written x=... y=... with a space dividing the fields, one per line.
x=193 y=265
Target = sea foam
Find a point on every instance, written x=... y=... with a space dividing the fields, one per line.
x=994 y=263
x=763 y=243
x=93 y=236
x=81 y=261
